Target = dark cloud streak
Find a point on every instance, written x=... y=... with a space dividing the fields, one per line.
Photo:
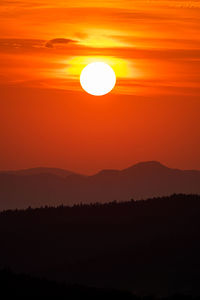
x=59 y=41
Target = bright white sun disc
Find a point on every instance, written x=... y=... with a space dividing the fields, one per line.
x=98 y=78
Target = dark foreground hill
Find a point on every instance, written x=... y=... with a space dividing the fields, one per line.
x=146 y=247
x=21 y=285
x=38 y=187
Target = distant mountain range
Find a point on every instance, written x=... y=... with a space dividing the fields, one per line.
x=40 y=170
x=48 y=186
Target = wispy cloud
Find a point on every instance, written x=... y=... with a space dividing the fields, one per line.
x=158 y=40
x=59 y=41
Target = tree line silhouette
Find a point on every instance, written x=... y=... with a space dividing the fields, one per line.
x=145 y=247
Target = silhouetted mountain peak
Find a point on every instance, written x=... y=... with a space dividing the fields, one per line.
x=150 y=164
x=146 y=166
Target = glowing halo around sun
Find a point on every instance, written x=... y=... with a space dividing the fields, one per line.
x=97 y=78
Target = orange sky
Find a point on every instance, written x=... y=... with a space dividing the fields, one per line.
x=152 y=114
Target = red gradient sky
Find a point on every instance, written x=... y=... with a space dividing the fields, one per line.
x=153 y=113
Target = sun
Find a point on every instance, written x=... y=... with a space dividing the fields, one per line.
x=98 y=78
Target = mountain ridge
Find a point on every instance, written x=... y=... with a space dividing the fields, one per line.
x=40 y=170
x=54 y=170
x=140 y=181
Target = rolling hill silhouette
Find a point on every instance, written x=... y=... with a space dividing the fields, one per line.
x=22 y=285
x=40 y=170
x=39 y=187
x=146 y=247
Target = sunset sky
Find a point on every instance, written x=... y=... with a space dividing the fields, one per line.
x=153 y=113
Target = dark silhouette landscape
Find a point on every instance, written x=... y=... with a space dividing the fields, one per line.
x=21 y=285
x=146 y=247
x=100 y=149
x=47 y=186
